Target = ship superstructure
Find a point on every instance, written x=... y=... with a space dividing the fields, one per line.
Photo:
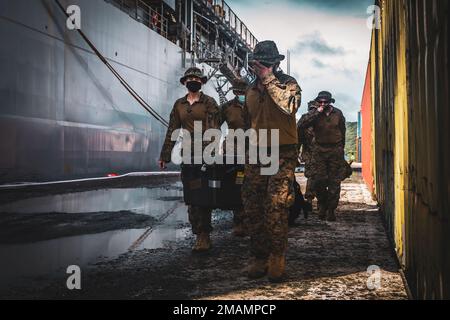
x=64 y=115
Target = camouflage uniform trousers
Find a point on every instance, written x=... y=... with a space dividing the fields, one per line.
x=307 y=158
x=200 y=219
x=267 y=200
x=310 y=194
x=238 y=216
x=328 y=170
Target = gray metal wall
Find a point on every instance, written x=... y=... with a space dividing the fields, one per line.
x=62 y=113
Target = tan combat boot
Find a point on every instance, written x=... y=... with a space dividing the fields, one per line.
x=331 y=216
x=277 y=264
x=203 y=242
x=257 y=268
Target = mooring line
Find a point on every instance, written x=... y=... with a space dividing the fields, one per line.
x=147 y=232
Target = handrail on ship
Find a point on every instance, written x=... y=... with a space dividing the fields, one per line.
x=223 y=11
x=151 y=18
x=145 y=14
x=148 y=16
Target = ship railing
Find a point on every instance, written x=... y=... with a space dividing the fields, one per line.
x=228 y=17
x=151 y=18
x=145 y=14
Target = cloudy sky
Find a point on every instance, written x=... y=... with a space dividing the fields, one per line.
x=328 y=39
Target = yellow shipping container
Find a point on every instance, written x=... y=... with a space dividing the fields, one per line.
x=409 y=81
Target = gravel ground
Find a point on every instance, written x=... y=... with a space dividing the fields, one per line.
x=324 y=261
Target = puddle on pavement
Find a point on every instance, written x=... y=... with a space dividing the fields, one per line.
x=51 y=258
x=137 y=200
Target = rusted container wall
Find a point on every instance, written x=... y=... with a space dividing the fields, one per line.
x=366 y=132
x=410 y=117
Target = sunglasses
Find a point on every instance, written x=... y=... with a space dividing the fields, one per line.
x=265 y=64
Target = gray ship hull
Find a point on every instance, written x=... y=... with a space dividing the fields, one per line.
x=62 y=113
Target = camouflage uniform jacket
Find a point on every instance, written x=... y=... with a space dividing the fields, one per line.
x=183 y=116
x=233 y=113
x=328 y=130
x=274 y=107
x=305 y=141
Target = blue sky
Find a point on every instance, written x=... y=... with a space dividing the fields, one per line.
x=329 y=42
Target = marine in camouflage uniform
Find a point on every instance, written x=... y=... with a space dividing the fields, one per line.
x=328 y=166
x=306 y=138
x=183 y=115
x=271 y=103
x=233 y=113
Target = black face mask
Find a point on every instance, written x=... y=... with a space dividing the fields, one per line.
x=193 y=86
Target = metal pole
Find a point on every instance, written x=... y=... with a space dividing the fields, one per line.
x=288 y=62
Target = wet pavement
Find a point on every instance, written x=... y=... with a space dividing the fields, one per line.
x=145 y=253
x=41 y=236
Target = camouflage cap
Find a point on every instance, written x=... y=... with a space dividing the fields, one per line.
x=194 y=72
x=311 y=105
x=239 y=85
x=266 y=51
x=325 y=95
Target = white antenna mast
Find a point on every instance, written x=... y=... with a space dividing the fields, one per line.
x=288 y=62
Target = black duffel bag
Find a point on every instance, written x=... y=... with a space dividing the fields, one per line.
x=216 y=186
